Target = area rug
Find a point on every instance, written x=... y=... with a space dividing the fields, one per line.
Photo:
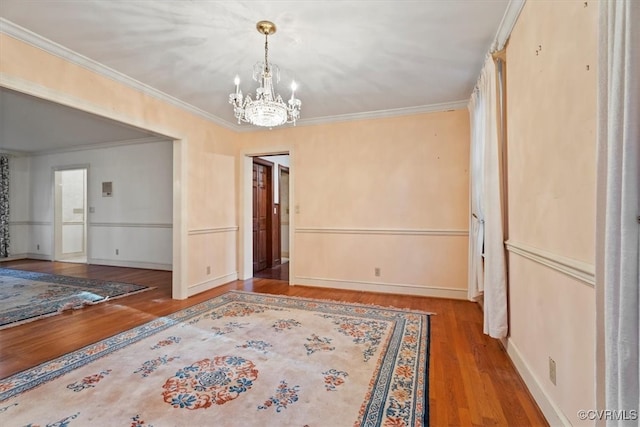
x=26 y=296
x=240 y=359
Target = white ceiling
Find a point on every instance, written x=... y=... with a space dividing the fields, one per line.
x=349 y=58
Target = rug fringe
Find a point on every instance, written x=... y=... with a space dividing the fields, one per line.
x=383 y=307
x=71 y=306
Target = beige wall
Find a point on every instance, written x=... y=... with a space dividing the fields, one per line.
x=551 y=89
x=389 y=193
x=204 y=190
x=393 y=193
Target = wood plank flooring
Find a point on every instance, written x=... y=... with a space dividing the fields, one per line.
x=472 y=381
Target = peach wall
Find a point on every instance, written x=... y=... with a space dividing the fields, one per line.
x=389 y=193
x=551 y=90
x=204 y=202
x=552 y=127
x=381 y=179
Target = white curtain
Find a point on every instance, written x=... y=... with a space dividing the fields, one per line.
x=486 y=232
x=619 y=204
x=476 y=224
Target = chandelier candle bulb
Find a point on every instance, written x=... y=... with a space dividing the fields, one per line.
x=294 y=86
x=237 y=83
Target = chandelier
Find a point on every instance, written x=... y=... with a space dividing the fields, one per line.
x=268 y=109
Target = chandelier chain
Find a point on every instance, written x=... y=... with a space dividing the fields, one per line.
x=266 y=50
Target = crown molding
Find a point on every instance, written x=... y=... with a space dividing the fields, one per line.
x=369 y=115
x=147 y=140
x=13 y=153
x=509 y=19
x=13 y=30
x=381 y=114
x=9 y=28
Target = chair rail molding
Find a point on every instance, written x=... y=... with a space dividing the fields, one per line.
x=389 y=231
x=131 y=224
x=213 y=230
x=582 y=271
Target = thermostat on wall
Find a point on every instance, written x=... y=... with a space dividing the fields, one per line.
x=107 y=189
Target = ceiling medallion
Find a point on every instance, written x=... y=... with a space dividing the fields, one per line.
x=268 y=109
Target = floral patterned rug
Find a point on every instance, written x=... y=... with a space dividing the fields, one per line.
x=26 y=296
x=240 y=359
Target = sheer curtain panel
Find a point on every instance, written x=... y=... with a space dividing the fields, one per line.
x=618 y=209
x=486 y=203
x=476 y=224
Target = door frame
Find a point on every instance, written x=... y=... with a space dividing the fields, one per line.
x=54 y=232
x=245 y=232
x=179 y=276
x=281 y=170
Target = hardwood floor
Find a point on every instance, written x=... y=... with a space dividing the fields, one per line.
x=279 y=272
x=472 y=381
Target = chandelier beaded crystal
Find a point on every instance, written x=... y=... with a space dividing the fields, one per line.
x=268 y=109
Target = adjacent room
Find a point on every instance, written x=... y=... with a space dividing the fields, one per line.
x=320 y=213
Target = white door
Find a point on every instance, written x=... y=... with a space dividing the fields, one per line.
x=70 y=215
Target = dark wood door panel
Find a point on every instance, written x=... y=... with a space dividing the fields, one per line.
x=262 y=218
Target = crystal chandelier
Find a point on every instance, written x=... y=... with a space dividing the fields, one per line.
x=268 y=109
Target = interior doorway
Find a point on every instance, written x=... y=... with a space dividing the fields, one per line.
x=270 y=199
x=70 y=219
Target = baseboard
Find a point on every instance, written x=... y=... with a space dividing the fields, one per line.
x=388 y=288
x=551 y=411
x=14 y=257
x=43 y=257
x=212 y=283
x=132 y=264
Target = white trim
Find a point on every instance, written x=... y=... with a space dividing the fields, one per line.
x=34 y=89
x=14 y=257
x=180 y=168
x=30 y=223
x=508 y=22
x=389 y=288
x=40 y=42
x=212 y=283
x=10 y=153
x=389 y=231
x=133 y=264
x=245 y=235
x=509 y=19
x=146 y=140
x=43 y=257
x=551 y=411
x=180 y=246
x=197 y=231
x=577 y=269
x=130 y=224
x=381 y=114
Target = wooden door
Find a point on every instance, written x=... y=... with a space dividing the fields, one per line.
x=262 y=201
